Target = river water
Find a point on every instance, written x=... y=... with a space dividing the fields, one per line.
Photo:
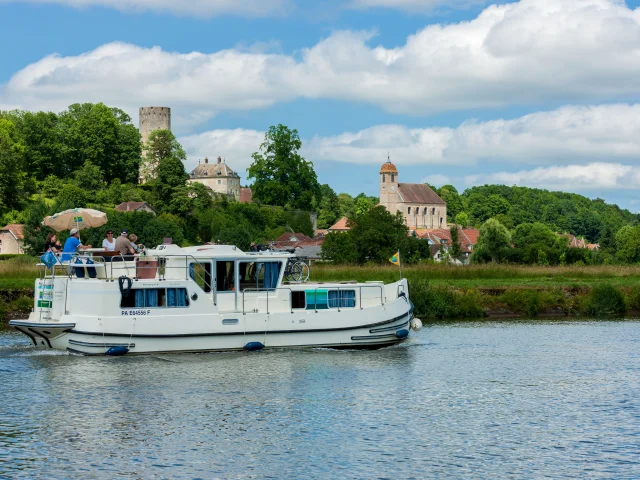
x=460 y=400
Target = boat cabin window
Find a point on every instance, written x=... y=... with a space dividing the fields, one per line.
x=342 y=298
x=317 y=299
x=259 y=275
x=298 y=300
x=201 y=274
x=225 y=276
x=156 y=298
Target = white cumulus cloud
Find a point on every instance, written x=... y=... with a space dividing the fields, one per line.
x=199 y=8
x=568 y=135
x=593 y=176
x=526 y=53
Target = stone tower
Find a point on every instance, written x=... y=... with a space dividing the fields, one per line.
x=154 y=118
x=151 y=118
x=389 y=186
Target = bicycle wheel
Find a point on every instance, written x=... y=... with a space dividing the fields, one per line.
x=303 y=271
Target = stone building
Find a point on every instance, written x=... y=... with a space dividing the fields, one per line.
x=12 y=238
x=151 y=119
x=420 y=206
x=218 y=177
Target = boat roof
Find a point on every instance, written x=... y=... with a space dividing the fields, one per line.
x=208 y=251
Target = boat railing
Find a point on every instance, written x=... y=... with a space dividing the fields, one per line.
x=315 y=296
x=144 y=267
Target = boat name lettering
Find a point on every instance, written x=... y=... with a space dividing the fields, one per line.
x=136 y=312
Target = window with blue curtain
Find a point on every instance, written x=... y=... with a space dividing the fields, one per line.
x=140 y=298
x=271 y=274
x=342 y=298
x=156 y=297
x=177 y=297
x=152 y=297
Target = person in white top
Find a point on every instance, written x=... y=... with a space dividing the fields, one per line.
x=109 y=243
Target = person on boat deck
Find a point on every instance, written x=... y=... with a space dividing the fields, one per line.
x=109 y=243
x=72 y=245
x=133 y=238
x=52 y=244
x=123 y=245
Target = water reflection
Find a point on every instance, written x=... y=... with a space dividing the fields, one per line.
x=460 y=400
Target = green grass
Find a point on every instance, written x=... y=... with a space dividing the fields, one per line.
x=18 y=272
x=486 y=276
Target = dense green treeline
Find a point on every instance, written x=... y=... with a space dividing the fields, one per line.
x=91 y=155
x=562 y=212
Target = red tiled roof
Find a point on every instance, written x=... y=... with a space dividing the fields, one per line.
x=593 y=246
x=132 y=206
x=467 y=237
x=17 y=229
x=418 y=193
x=340 y=225
x=321 y=232
x=246 y=195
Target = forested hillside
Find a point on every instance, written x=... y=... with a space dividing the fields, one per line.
x=562 y=212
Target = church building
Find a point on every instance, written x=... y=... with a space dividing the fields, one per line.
x=420 y=206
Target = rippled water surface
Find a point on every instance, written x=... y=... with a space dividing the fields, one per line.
x=465 y=400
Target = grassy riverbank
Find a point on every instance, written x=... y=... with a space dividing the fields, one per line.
x=441 y=291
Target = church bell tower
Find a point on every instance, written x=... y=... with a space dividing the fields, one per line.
x=389 y=186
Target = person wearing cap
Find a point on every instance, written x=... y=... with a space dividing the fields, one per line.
x=123 y=245
x=72 y=245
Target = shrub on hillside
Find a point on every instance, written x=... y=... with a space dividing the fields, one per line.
x=605 y=300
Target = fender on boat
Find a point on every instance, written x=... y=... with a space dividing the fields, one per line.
x=402 y=333
x=253 y=346
x=117 y=351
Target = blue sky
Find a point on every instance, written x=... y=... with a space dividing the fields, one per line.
x=542 y=93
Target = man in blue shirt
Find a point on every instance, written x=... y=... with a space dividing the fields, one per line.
x=72 y=245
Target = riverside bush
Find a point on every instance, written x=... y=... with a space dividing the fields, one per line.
x=533 y=301
x=605 y=300
x=444 y=302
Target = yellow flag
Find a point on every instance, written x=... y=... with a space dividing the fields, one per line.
x=396 y=258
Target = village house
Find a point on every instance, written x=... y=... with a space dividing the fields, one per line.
x=219 y=177
x=12 y=239
x=419 y=205
x=136 y=207
x=440 y=240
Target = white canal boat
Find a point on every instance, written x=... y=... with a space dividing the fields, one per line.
x=204 y=299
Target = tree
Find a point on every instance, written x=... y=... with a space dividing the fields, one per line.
x=455 y=204
x=628 y=244
x=89 y=177
x=328 y=209
x=346 y=206
x=462 y=219
x=378 y=234
x=165 y=156
x=455 y=242
x=494 y=242
x=102 y=135
x=339 y=247
x=13 y=177
x=281 y=176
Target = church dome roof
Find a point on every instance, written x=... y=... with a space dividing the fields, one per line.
x=388 y=167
